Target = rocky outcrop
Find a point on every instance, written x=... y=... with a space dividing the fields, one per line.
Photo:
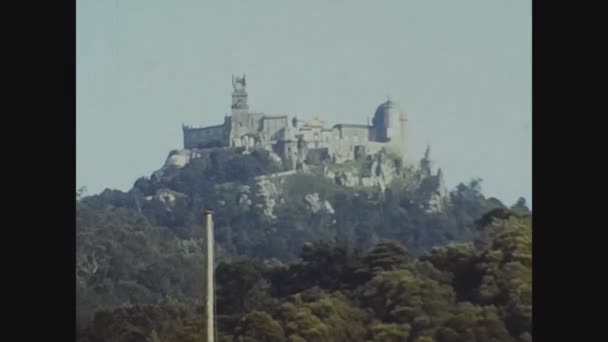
x=264 y=193
x=244 y=199
x=317 y=205
x=345 y=178
x=266 y=196
x=275 y=157
x=378 y=170
x=177 y=159
x=430 y=185
x=166 y=197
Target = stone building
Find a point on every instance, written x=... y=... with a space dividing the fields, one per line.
x=296 y=140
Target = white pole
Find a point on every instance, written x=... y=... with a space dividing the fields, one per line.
x=210 y=298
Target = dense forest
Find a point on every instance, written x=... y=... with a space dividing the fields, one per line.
x=378 y=266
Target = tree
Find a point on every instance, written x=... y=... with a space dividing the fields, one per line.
x=506 y=271
x=388 y=255
x=259 y=327
x=235 y=282
x=403 y=296
x=473 y=323
x=458 y=260
x=390 y=332
x=521 y=207
x=318 y=317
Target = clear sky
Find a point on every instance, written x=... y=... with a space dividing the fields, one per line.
x=461 y=70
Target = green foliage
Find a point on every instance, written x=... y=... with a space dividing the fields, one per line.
x=259 y=327
x=474 y=323
x=506 y=268
x=361 y=217
x=317 y=316
x=391 y=332
x=388 y=255
x=381 y=268
x=237 y=282
x=331 y=266
x=453 y=293
x=405 y=296
x=458 y=260
x=170 y=322
x=122 y=258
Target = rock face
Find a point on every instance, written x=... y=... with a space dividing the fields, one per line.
x=167 y=197
x=431 y=185
x=266 y=196
x=345 y=178
x=263 y=194
x=244 y=197
x=382 y=172
x=179 y=158
x=378 y=170
x=275 y=157
x=316 y=205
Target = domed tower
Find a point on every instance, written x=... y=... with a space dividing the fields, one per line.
x=389 y=125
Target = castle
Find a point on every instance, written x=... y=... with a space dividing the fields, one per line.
x=295 y=140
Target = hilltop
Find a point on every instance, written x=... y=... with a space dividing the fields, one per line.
x=144 y=246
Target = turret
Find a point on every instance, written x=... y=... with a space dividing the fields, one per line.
x=390 y=126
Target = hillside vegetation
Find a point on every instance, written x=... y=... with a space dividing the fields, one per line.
x=347 y=264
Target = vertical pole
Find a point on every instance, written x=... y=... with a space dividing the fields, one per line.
x=210 y=305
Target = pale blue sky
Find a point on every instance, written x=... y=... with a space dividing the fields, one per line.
x=461 y=70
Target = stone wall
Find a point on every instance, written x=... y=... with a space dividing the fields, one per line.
x=273 y=126
x=213 y=136
x=356 y=134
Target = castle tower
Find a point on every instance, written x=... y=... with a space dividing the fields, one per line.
x=240 y=109
x=239 y=94
x=390 y=126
